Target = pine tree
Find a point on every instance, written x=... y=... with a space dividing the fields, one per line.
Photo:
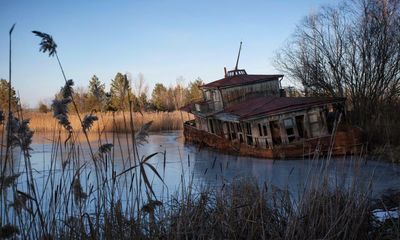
x=120 y=91
x=194 y=92
x=4 y=85
x=159 y=96
x=96 y=94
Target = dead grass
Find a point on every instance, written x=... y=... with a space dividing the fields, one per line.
x=162 y=121
x=244 y=210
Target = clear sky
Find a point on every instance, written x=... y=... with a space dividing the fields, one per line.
x=161 y=39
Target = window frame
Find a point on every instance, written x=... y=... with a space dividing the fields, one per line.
x=292 y=136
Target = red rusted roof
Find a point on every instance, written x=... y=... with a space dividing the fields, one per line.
x=241 y=80
x=274 y=105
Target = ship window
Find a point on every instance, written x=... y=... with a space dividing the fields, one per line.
x=289 y=126
x=275 y=132
x=248 y=133
x=314 y=125
x=248 y=128
x=239 y=127
x=231 y=130
x=208 y=95
x=211 y=126
x=300 y=126
x=262 y=130
x=265 y=130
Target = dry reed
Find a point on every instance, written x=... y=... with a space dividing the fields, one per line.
x=162 y=121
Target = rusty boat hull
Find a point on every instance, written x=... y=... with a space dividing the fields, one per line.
x=346 y=141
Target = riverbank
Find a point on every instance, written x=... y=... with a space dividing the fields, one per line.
x=162 y=121
x=387 y=152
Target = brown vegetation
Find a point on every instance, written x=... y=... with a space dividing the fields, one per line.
x=162 y=121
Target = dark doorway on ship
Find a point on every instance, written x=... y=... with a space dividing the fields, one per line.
x=300 y=126
x=330 y=120
x=210 y=122
x=275 y=132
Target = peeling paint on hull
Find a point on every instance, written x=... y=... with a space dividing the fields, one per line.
x=344 y=143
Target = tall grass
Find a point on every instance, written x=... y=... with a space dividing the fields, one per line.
x=162 y=121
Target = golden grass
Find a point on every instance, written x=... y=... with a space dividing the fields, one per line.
x=162 y=121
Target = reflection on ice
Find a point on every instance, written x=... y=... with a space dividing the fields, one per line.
x=205 y=166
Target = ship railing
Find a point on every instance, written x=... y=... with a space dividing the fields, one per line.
x=261 y=142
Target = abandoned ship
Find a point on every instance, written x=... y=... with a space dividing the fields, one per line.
x=250 y=115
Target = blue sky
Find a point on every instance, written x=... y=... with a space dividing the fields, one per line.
x=161 y=39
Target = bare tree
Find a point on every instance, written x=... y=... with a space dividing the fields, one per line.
x=351 y=50
x=139 y=85
x=140 y=91
x=179 y=93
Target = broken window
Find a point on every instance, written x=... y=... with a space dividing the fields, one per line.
x=248 y=133
x=239 y=132
x=231 y=130
x=275 y=132
x=210 y=121
x=239 y=127
x=262 y=130
x=265 y=130
x=289 y=126
x=300 y=126
x=248 y=128
x=314 y=124
x=263 y=133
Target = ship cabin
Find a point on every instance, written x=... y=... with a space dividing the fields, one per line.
x=253 y=110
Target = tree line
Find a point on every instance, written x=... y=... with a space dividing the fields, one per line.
x=125 y=93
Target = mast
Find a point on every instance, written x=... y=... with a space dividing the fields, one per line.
x=237 y=61
x=9 y=75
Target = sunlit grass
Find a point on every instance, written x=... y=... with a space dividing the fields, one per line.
x=162 y=121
